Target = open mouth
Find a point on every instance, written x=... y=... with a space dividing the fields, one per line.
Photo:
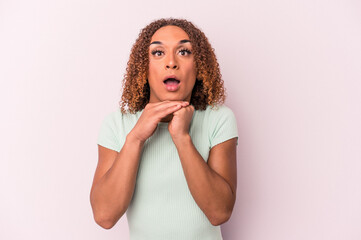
x=171 y=84
x=171 y=81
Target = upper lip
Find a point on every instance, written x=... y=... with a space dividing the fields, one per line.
x=171 y=76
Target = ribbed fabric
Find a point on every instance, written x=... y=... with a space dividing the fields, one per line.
x=162 y=207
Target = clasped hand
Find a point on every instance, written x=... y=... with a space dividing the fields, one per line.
x=153 y=113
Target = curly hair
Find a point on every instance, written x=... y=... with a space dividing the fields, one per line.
x=208 y=89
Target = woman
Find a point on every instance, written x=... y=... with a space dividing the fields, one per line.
x=167 y=157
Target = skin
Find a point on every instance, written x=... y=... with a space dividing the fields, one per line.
x=169 y=57
x=212 y=183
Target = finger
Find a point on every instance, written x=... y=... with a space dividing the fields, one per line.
x=160 y=106
x=166 y=104
x=184 y=110
x=162 y=102
x=180 y=111
x=173 y=101
x=167 y=111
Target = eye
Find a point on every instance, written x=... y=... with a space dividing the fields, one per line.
x=157 y=53
x=185 y=52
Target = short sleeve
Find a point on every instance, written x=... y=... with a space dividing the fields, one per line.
x=223 y=126
x=108 y=135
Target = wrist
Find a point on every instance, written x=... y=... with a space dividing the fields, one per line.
x=133 y=139
x=182 y=139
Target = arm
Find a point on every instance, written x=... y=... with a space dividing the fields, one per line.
x=114 y=182
x=212 y=184
x=115 y=176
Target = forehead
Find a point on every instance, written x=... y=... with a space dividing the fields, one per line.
x=169 y=34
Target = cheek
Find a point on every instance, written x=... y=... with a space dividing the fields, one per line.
x=190 y=68
x=152 y=70
x=150 y=67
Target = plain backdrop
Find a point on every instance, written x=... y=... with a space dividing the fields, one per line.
x=293 y=78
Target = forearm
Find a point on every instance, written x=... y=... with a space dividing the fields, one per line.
x=211 y=192
x=111 y=195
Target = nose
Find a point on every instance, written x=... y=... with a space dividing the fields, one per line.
x=171 y=62
x=172 y=66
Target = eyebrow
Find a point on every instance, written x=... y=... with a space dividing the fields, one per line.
x=180 y=42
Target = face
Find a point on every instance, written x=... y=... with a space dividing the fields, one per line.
x=171 y=73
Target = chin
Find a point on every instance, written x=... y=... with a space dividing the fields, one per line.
x=173 y=97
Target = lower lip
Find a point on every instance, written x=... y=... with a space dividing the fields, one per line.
x=172 y=87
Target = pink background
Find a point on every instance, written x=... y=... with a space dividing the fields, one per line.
x=292 y=70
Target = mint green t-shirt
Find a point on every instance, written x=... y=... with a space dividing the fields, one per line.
x=162 y=207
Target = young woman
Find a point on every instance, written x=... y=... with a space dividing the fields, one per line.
x=167 y=157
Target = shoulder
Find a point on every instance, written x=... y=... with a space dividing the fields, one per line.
x=114 y=129
x=215 y=113
x=219 y=109
x=114 y=115
x=117 y=117
x=119 y=123
x=221 y=124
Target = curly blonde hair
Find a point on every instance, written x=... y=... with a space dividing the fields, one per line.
x=208 y=88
